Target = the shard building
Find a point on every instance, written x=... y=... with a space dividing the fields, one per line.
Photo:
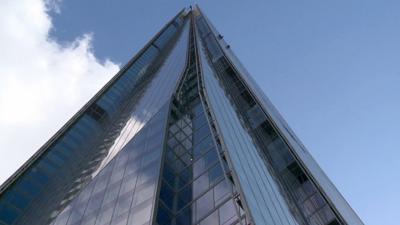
x=181 y=135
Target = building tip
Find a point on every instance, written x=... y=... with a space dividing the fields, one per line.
x=194 y=6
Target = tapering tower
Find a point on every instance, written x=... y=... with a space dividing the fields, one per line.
x=181 y=135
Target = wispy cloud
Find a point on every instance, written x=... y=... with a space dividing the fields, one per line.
x=42 y=83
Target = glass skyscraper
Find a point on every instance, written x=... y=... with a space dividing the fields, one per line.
x=181 y=135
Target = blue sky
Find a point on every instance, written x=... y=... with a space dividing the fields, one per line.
x=332 y=68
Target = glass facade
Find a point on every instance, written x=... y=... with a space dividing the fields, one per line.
x=194 y=186
x=124 y=190
x=261 y=191
x=297 y=176
x=181 y=135
x=159 y=91
x=46 y=184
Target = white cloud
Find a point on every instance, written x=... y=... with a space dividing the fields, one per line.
x=42 y=83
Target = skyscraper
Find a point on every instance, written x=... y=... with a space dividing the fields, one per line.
x=181 y=135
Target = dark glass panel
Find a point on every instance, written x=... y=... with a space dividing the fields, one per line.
x=184 y=217
x=38 y=176
x=164 y=217
x=28 y=187
x=215 y=174
x=167 y=195
x=18 y=200
x=168 y=175
x=8 y=214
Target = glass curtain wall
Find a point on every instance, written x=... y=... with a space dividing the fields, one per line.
x=46 y=184
x=124 y=191
x=294 y=186
x=194 y=185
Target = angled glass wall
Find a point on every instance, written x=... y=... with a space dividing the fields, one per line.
x=158 y=91
x=124 y=190
x=56 y=173
x=300 y=193
x=266 y=204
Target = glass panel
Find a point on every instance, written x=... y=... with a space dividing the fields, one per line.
x=204 y=205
